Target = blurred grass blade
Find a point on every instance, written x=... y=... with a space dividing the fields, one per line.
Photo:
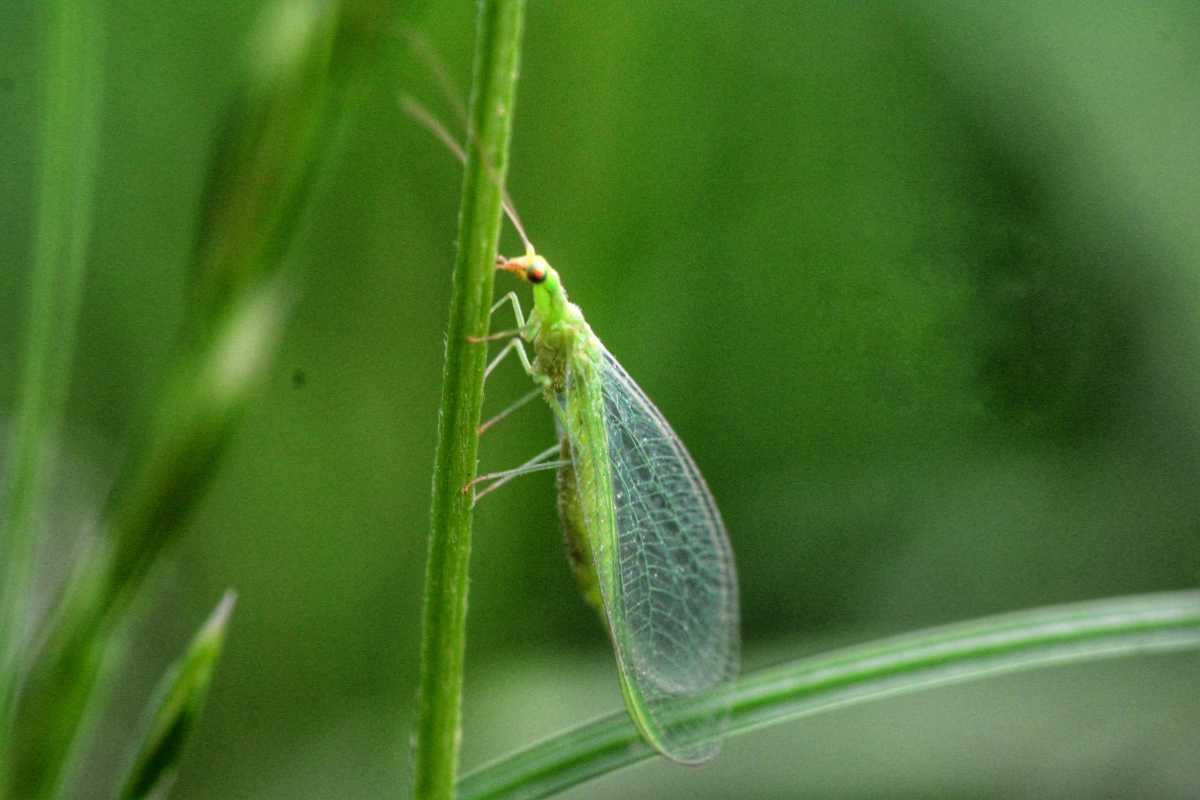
x=923 y=660
x=201 y=409
x=443 y=636
x=175 y=708
x=70 y=102
x=300 y=61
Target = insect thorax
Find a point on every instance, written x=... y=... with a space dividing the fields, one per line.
x=558 y=345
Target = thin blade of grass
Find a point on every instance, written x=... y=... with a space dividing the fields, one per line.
x=302 y=61
x=952 y=654
x=176 y=706
x=69 y=147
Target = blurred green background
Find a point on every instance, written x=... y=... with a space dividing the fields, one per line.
x=918 y=284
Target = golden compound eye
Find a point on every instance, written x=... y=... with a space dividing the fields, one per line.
x=536 y=274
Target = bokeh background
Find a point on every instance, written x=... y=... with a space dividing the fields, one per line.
x=918 y=284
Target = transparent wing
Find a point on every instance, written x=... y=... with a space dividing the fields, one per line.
x=666 y=573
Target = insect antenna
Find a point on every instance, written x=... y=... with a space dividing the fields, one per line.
x=427 y=54
x=426 y=120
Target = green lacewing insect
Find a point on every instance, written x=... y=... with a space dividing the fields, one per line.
x=645 y=537
x=646 y=541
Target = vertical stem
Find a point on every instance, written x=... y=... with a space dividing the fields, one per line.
x=497 y=51
x=70 y=132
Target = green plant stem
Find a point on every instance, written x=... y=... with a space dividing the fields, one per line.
x=924 y=660
x=497 y=51
x=70 y=136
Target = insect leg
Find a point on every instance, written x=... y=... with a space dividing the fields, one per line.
x=511 y=297
x=506 y=412
x=538 y=463
x=514 y=344
x=493 y=337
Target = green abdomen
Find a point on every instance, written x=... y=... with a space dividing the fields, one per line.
x=584 y=482
x=570 y=512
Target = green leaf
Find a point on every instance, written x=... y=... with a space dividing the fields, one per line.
x=175 y=708
x=966 y=651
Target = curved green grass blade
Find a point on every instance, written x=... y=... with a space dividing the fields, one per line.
x=958 y=653
x=175 y=708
